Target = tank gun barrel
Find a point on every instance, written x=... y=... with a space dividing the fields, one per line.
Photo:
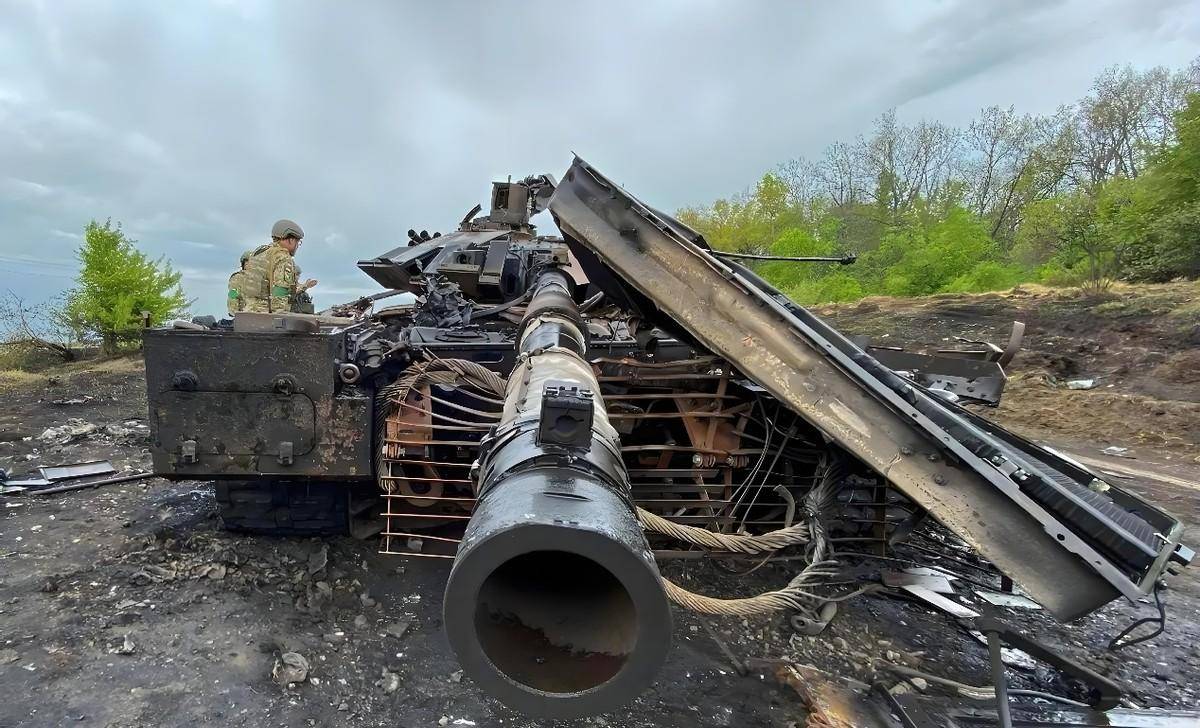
x=554 y=604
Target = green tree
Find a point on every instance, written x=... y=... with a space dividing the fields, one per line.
x=795 y=242
x=1168 y=205
x=771 y=199
x=1082 y=231
x=920 y=258
x=118 y=287
x=1106 y=188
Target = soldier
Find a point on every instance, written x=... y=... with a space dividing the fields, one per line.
x=271 y=272
x=237 y=283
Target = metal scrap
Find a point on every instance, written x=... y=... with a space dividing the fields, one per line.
x=940 y=602
x=1002 y=599
x=934 y=582
x=94 y=484
x=77 y=470
x=832 y=701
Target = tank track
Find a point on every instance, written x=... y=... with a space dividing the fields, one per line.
x=282 y=508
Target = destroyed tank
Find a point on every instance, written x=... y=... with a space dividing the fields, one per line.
x=541 y=405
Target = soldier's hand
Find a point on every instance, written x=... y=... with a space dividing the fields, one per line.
x=310 y=283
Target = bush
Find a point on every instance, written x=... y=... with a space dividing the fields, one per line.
x=25 y=356
x=987 y=276
x=833 y=288
x=923 y=258
x=1054 y=273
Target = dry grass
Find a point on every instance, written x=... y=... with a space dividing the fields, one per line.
x=16 y=378
x=121 y=364
x=1177 y=298
x=23 y=375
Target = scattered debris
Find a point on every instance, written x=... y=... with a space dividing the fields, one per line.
x=291 y=667
x=1081 y=384
x=334 y=638
x=16 y=486
x=94 y=484
x=74 y=429
x=317 y=560
x=77 y=470
x=388 y=683
x=8 y=656
x=153 y=573
x=933 y=581
x=67 y=401
x=1120 y=452
x=215 y=572
x=833 y=701
x=398 y=628
x=1002 y=599
x=126 y=647
x=940 y=602
x=1010 y=656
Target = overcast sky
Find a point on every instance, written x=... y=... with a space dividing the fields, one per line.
x=197 y=124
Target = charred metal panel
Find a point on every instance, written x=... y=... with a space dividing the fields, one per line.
x=968 y=479
x=399 y=267
x=232 y=404
x=254 y=423
x=982 y=381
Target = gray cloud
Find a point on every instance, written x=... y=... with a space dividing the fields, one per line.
x=198 y=124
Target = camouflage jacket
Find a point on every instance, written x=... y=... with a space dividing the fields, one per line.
x=270 y=281
x=237 y=299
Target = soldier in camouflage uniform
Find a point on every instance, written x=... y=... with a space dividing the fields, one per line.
x=271 y=274
x=237 y=282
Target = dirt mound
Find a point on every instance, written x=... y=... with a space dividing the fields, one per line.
x=1103 y=417
x=1139 y=344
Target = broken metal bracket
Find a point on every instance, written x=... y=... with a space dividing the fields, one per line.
x=1103 y=694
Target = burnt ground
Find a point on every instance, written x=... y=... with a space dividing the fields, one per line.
x=207 y=612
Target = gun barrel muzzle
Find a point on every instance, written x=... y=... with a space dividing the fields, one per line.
x=554 y=604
